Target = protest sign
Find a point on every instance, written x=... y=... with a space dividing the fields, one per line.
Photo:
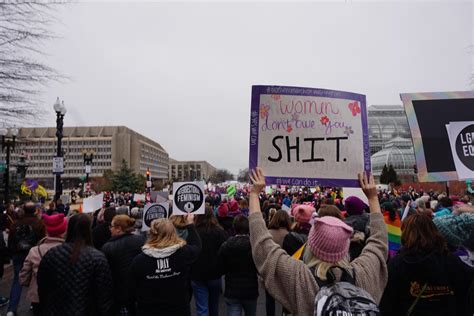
x=93 y=203
x=428 y=114
x=138 y=197
x=461 y=138
x=188 y=197
x=308 y=137
x=152 y=212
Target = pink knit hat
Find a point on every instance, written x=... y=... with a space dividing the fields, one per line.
x=302 y=213
x=329 y=239
x=56 y=225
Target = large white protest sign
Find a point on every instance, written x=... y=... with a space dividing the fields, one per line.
x=93 y=203
x=188 y=197
x=461 y=138
x=152 y=212
x=308 y=137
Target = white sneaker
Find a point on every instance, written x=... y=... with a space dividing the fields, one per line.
x=10 y=314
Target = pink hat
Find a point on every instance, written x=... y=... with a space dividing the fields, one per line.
x=329 y=239
x=302 y=213
x=56 y=224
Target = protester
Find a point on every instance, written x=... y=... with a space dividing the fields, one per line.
x=206 y=281
x=455 y=229
x=290 y=281
x=101 y=233
x=74 y=278
x=24 y=234
x=278 y=227
x=56 y=226
x=159 y=276
x=236 y=263
x=120 y=251
x=424 y=278
x=358 y=219
x=392 y=220
x=299 y=234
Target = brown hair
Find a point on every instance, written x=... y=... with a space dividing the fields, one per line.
x=79 y=234
x=126 y=223
x=162 y=234
x=330 y=210
x=419 y=234
x=207 y=221
x=178 y=221
x=280 y=220
x=243 y=203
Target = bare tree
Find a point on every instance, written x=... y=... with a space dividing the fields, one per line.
x=24 y=27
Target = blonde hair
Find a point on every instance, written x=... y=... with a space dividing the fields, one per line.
x=162 y=234
x=321 y=268
x=178 y=221
x=126 y=223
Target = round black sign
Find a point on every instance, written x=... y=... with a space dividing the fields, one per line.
x=155 y=211
x=188 y=198
x=465 y=146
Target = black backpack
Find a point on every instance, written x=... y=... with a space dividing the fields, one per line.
x=24 y=238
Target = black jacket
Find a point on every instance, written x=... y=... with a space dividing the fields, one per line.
x=37 y=227
x=205 y=267
x=236 y=262
x=120 y=252
x=446 y=278
x=160 y=283
x=83 y=288
x=100 y=235
x=293 y=241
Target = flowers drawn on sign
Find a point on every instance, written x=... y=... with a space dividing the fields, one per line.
x=354 y=107
x=348 y=131
x=290 y=128
x=264 y=111
x=276 y=97
x=324 y=120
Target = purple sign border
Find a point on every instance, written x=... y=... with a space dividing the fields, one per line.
x=284 y=90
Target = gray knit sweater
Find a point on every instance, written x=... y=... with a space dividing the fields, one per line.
x=290 y=281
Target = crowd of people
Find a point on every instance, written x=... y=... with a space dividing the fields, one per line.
x=401 y=253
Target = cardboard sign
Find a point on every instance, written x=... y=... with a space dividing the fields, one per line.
x=93 y=203
x=152 y=212
x=461 y=138
x=188 y=197
x=428 y=114
x=308 y=137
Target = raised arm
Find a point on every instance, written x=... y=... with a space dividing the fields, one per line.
x=288 y=280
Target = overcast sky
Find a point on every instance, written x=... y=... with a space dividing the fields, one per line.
x=181 y=73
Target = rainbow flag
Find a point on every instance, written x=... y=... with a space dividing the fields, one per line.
x=394 y=234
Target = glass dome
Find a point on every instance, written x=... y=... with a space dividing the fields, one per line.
x=399 y=153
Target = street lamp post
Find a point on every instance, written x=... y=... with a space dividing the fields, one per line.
x=88 y=158
x=60 y=110
x=8 y=143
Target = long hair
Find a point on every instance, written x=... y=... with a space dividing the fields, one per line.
x=281 y=219
x=390 y=208
x=330 y=210
x=79 y=234
x=207 y=221
x=178 y=221
x=162 y=234
x=126 y=223
x=419 y=234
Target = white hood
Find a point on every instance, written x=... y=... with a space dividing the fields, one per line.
x=161 y=253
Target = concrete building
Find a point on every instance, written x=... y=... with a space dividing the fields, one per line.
x=190 y=170
x=390 y=141
x=110 y=145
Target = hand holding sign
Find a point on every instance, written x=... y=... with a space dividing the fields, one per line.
x=258 y=180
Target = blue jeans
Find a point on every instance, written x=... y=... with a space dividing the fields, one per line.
x=234 y=307
x=15 y=292
x=206 y=296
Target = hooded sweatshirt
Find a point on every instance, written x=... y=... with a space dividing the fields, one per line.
x=159 y=278
x=444 y=277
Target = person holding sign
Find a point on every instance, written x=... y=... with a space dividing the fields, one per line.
x=159 y=276
x=292 y=282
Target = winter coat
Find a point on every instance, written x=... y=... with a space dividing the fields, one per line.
x=236 y=263
x=205 y=267
x=293 y=241
x=82 y=288
x=29 y=271
x=446 y=278
x=37 y=226
x=292 y=283
x=120 y=252
x=100 y=235
x=159 y=278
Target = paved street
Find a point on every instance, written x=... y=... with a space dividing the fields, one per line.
x=24 y=308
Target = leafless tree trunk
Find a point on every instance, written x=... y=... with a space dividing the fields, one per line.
x=24 y=27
